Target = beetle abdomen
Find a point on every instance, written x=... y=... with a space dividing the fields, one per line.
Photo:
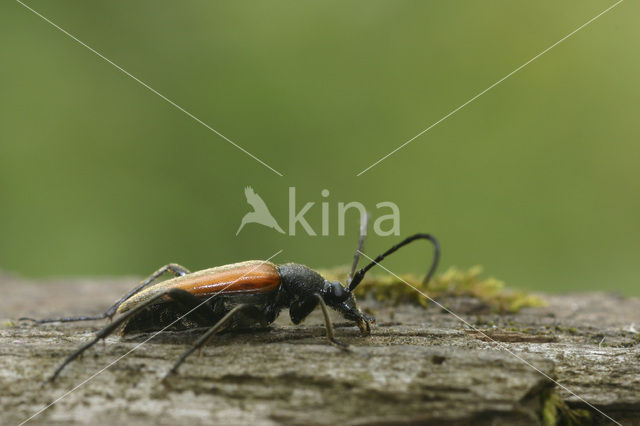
x=254 y=276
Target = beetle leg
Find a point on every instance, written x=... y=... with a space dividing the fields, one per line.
x=301 y=309
x=174 y=268
x=174 y=294
x=197 y=310
x=64 y=319
x=329 y=326
x=206 y=337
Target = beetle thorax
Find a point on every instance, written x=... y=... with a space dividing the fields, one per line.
x=300 y=281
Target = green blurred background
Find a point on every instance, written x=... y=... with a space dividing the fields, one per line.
x=537 y=180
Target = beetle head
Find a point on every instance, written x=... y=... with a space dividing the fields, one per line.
x=342 y=300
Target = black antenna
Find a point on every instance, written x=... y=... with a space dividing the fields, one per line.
x=364 y=221
x=357 y=278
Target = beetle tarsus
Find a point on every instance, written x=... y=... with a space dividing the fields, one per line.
x=63 y=319
x=339 y=344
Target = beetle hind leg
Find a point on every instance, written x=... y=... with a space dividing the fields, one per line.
x=181 y=297
x=174 y=268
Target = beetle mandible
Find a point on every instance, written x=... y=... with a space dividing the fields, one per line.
x=248 y=293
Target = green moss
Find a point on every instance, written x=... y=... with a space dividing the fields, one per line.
x=453 y=282
x=556 y=412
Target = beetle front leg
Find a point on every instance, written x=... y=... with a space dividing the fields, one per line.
x=301 y=309
x=215 y=329
x=329 y=326
x=174 y=268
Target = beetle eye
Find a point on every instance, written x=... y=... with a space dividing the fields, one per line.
x=336 y=291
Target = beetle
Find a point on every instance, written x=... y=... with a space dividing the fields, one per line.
x=235 y=296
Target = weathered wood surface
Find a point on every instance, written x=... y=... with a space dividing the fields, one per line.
x=418 y=366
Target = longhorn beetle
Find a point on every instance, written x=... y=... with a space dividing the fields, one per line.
x=248 y=293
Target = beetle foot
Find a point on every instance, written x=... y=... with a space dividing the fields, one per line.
x=340 y=345
x=169 y=374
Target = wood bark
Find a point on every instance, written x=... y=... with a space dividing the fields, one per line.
x=419 y=366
